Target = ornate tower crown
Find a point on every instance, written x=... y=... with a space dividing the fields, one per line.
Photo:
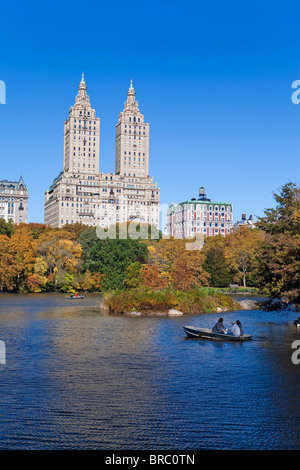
x=131 y=104
x=82 y=99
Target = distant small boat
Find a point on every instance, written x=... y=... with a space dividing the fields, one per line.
x=206 y=333
x=76 y=297
x=297 y=322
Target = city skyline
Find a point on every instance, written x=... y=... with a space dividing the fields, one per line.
x=221 y=112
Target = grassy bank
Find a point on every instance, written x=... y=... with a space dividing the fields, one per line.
x=238 y=290
x=201 y=300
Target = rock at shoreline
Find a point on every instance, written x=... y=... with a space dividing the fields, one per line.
x=248 y=304
x=174 y=312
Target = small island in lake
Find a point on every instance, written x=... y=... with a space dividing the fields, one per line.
x=168 y=301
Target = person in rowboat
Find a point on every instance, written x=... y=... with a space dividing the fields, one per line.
x=219 y=327
x=240 y=327
x=234 y=330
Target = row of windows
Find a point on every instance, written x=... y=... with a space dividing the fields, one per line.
x=130 y=132
x=134 y=119
x=84 y=146
x=90 y=133
x=10 y=198
x=90 y=128
x=129 y=153
x=84 y=122
x=135 y=127
x=89 y=165
x=210 y=230
x=83 y=154
x=129 y=160
x=210 y=208
x=143 y=171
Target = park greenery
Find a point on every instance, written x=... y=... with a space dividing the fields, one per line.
x=142 y=273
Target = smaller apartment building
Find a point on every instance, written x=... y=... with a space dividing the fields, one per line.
x=13 y=201
x=199 y=216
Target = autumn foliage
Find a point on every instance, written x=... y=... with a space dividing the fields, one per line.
x=39 y=258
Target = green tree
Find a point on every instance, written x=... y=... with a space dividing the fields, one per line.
x=6 y=228
x=278 y=263
x=111 y=257
x=133 y=275
x=215 y=263
x=284 y=218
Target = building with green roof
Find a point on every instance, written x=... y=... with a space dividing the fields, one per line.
x=199 y=216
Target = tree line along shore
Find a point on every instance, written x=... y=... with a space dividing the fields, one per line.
x=153 y=274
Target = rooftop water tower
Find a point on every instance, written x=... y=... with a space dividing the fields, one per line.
x=202 y=195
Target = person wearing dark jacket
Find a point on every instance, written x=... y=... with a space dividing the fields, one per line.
x=219 y=327
x=240 y=327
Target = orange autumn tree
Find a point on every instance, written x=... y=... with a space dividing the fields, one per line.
x=151 y=278
x=91 y=281
x=7 y=265
x=16 y=260
x=187 y=271
x=163 y=254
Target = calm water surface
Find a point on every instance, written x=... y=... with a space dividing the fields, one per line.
x=75 y=378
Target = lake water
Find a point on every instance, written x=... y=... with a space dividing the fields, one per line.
x=75 y=378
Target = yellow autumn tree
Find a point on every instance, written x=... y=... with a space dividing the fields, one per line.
x=62 y=257
x=242 y=246
x=37 y=281
x=163 y=254
x=16 y=259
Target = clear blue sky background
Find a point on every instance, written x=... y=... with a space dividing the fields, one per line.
x=212 y=78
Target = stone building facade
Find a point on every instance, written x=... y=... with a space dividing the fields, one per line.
x=132 y=140
x=199 y=216
x=13 y=201
x=81 y=193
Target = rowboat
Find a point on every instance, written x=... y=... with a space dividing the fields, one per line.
x=206 y=333
x=76 y=297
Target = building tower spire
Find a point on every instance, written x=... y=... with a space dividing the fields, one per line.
x=82 y=135
x=131 y=97
x=82 y=96
x=132 y=140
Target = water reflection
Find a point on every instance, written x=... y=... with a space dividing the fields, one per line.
x=75 y=378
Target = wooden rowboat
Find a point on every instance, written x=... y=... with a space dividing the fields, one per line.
x=74 y=297
x=206 y=333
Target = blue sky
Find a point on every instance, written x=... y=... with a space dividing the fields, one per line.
x=213 y=79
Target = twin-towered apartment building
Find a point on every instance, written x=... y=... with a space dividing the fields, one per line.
x=81 y=193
